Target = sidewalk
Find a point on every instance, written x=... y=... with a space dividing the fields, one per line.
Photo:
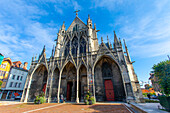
x=149 y=107
x=9 y=102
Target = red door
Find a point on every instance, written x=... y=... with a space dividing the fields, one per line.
x=68 y=91
x=44 y=88
x=109 y=90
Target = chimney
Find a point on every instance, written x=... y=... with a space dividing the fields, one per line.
x=25 y=65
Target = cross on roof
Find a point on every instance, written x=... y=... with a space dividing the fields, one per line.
x=76 y=12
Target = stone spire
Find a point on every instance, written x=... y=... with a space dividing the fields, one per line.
x=89 y=22
x=127 y=52
x=107 y=39
x=43 y=51
x=35 y=57
x=116 y=41
x=109 y=44
x=52 y=53
x=102 y=39
x=63 y=26
x=94 y=26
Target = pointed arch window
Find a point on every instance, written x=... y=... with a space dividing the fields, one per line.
x=106 y=70
x=67 y=48
x=74 y=46
x=82 y=45
x=76 y=27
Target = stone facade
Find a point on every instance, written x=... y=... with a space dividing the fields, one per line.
x=79 y=64
x=155 y=84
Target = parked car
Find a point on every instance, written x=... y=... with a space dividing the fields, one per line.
x=17 y=97
x=154 y=97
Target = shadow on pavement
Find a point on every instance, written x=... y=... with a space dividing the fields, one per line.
x=109 y=108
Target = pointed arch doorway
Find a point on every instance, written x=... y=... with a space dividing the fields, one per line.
x=39 y=81
x=69 y=82
x=108 y=80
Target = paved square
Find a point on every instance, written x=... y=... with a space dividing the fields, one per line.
x=65 y=108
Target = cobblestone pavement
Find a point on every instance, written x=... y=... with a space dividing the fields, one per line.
x=65 y=108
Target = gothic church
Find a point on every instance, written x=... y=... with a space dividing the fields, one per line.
x=78 y=64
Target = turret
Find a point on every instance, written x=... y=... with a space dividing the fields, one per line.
x=59 y=40
x=89 y=22
x=63 y=28
x=89 y=32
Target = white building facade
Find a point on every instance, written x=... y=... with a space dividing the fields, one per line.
x=15 y=84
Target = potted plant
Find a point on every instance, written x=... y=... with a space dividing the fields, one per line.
x=89 y=99
x=40 y=99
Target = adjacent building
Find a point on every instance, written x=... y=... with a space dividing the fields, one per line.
x=1 y=58
x=14 y=82
x=150 y=90
x=4 y=70
x=155 y=84
x=79 y=64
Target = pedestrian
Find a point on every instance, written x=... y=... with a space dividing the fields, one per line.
x=149 y=96
x=61 y=100
x=158 y=94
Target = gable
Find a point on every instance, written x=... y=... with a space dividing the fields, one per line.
x=77 y=24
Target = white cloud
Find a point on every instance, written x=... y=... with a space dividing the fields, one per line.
x=149 y=37
x=59 y=10
x=61 y=5
x=21 y=35
x=76 y=5
x=108 y=4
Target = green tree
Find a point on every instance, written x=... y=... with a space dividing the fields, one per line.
x=0 y=84
x=147 y=86
x=162 y=71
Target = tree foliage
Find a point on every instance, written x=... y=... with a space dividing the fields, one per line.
x=0 y=84
x=162 y=71
x=147 y=86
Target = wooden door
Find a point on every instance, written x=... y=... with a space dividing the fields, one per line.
x=69 y=85
x=44 y=88
x=109 y=90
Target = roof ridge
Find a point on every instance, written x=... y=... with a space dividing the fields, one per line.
x=74 y=20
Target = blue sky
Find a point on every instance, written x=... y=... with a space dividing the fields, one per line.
x=27 y=25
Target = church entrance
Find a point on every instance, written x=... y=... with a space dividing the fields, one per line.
x=68 y=82
x=108 y=81
x=109 y=90
x=69 y=90
x=38 y=83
